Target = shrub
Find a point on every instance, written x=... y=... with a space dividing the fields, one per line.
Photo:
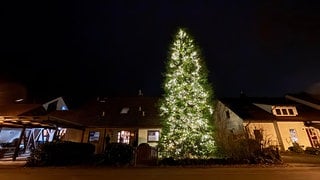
x=241 y=147
x=312 y=150
x=119 y=154
x=199 y=162
x=61 y=153
x=296 y=148
x=262 y=156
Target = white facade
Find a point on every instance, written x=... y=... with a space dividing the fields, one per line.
x=268 y=133
x=150 y=136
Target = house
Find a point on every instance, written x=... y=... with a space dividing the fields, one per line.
x=278 y=122
x=130 y=120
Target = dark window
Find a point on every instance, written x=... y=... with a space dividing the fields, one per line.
x=284 y=112
x=52 y=106
x=290 y=111
x=228 y=114
x=258 y=135
x=278 y=112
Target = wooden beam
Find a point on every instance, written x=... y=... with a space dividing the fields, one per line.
x=16 y=151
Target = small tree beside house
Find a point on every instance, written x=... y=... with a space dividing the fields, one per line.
x=186 y=108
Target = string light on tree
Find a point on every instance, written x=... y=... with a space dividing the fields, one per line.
x=186 y=108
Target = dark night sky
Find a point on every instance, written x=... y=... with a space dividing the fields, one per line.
x=116 y=47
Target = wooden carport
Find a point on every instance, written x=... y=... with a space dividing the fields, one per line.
x=32 y=123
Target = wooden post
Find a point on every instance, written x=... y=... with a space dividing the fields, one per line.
x=17 y=149
x=276 y=128
x=82 y=137
x=104 y=140
x=56 y=135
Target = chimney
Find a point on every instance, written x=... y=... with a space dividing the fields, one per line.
x=140 y=92
x=242 y=94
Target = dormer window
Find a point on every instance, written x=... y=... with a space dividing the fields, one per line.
x=284 y=111
x=124 y=110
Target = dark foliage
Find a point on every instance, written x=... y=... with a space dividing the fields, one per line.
x=195 y=162
x=248 y=153
x=296 y=148
x=146 y=155
x=270 y=157
x=61 y=154
x=312 y=150
x=118 y=154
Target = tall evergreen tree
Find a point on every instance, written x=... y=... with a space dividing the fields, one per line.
x=186 y=108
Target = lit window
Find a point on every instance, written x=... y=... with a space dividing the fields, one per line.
x=153 y=136
x=45 y=135
x=124 y=137
x=61 y=132
x=94 y=136
x=293 y=135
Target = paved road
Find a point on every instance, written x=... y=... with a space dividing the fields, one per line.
x=162 y=173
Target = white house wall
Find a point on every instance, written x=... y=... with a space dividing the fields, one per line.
x=78 y=135
x=301 y=134
x=268 y=133
x=233 y=122
x=99 y=142
x=73 y=135
x=143 y=135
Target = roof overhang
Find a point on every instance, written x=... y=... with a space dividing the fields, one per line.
x=315 y=124
x=65 y=123
x=36 y=122
x=25 y=121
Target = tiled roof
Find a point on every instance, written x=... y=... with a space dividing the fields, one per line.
x=245 y=108
x=311 y=100
x=142 y=112
x=21 y=109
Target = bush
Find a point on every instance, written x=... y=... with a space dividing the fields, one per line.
x=312 y=150
x=61 y=153
x=263 y=156
x=118 y=154
x=296 y=148
x=200 y=162
x=240 y=149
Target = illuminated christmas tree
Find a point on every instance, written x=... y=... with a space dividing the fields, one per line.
x=186 y=108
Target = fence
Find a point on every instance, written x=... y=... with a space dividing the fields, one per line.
x=146 y=155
